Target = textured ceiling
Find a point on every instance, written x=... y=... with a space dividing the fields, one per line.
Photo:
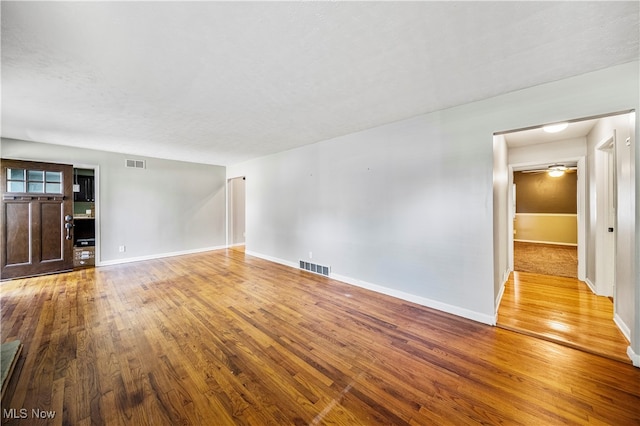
x=222 y=82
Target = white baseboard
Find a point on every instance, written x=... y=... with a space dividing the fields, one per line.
x=445 y=307
x=635 y=358
x=624 y=328
x=157 y=256
x=626 y=331
x=591 y=285
x=271 y=259
x=547 y=242
x=505 y=278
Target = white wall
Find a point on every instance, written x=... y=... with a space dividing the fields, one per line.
x=407 y=208
x=382 y=208
x=168 y=208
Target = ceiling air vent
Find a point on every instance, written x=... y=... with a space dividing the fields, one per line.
x=135 y=164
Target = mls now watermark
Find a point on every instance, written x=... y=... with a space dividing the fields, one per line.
x=23 y=413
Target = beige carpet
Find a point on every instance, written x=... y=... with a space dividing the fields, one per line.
x=546 y=259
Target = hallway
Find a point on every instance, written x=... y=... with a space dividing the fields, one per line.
x=562 y=310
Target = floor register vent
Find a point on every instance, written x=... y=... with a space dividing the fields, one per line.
x=312 y=267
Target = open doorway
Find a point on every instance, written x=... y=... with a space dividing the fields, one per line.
x=85 y=216
x=236 y=232
x=545 y=224
x=549 y=169
x=555 y=305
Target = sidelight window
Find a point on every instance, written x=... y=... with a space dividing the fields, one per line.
x=34 y=181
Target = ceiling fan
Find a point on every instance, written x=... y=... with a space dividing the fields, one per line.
x=554 y=170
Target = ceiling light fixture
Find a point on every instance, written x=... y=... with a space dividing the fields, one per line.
x=557 y=170
x=555 y=128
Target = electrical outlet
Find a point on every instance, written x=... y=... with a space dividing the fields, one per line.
x=122 y=249
x=310 y=255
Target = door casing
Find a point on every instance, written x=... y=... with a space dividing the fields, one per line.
x=606 y=216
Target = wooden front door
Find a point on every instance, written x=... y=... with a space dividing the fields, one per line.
x=36 y=207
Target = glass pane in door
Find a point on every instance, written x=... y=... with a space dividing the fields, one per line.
x=35 y=175
x=15 y=186
x=15 y=174
x=54 y=177
x=35 y=187
x=53 y=188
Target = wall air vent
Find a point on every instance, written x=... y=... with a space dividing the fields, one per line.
x=135 y=164
x=313 y=267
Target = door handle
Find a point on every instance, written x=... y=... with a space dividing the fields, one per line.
x=68 y=225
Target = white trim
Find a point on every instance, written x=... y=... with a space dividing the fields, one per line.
x=634 y=357
x=546 y=242
x=624 y=328
x=227 y=206
x=547 y=214
x=581 y=218
x=626 y=331
x=159 y=256
x=230 y=198
x=581 y=213
x=498 y=301
x=605 y=258
x=505 y=278
x=445 y=307
x=591 y=285
x=497 y=305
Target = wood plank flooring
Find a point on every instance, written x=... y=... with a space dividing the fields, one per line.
x=562 y=310
x=223 y=338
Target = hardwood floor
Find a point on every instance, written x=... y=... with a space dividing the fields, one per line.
x=225 y=338
x=562 y=310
